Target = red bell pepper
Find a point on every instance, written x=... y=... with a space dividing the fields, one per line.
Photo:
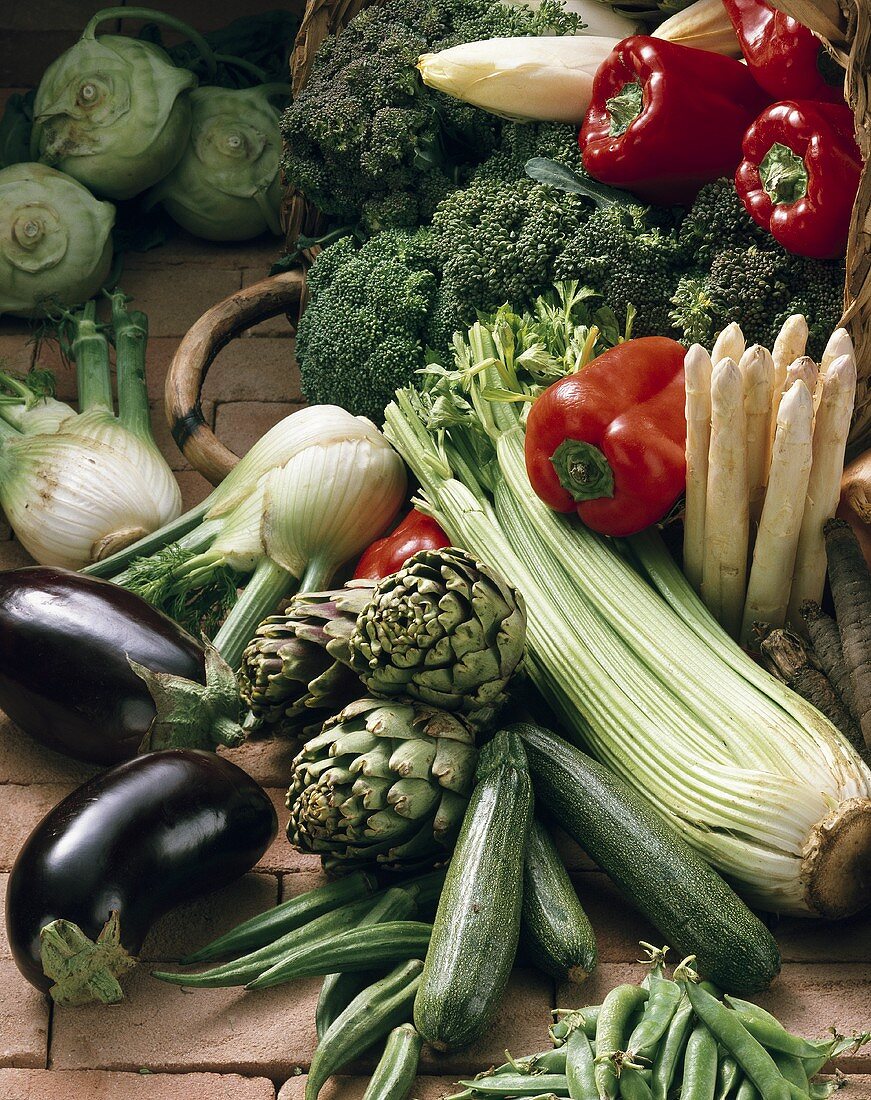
x=385 y=556
x=784 y=56
x=610 y=441
x=800 y=175
x=666 y=119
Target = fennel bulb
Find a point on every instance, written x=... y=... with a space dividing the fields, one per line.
x=76 y=487
x=639 y=672
x=55 y=243
x=544 y=79
x=226 y=187
x=114 y=112
x=310 y=495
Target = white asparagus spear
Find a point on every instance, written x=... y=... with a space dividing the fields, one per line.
x=697 y=374
x=774 y=556
x=757 y=368
x=729 y=344
x=727 y=513
x=824 y=488
x=804 y=369
x=839 y=344
x=789 y=345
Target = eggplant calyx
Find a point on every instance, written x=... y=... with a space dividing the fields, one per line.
x=192 y=715
x=84 y=970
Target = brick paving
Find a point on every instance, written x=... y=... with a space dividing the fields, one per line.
x=164 y=1043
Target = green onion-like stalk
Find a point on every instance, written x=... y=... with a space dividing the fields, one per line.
x=309 y=496
x=76 y=487
x=754 y=778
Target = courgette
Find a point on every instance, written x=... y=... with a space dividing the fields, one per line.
x=477 y=924
x=693 y=908
x=555 y=932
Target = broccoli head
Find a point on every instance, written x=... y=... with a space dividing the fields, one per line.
x=716 y=221
x=759 y=287
x=364 y=132
x=364 y=331
x=629 y=260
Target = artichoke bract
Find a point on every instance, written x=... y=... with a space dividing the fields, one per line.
x=113 y=112
x=226 y=186
x=296 y=669
x=445 y=629
x=384 y=783
x=55 y=243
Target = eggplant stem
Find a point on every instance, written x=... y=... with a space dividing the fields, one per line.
x=84 y=970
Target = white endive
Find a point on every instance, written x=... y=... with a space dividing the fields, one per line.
x=542 y=79
x=76 y=487
x=309 y=496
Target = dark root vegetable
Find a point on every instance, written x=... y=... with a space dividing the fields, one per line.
x=118 y=853
x=850 y=579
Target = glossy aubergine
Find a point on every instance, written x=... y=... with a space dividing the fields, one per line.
x=118 y=853
x=66 y=643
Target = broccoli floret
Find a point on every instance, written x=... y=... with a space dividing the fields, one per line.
x=364 y=131
x=629 y=260
x=716 y=221
x=498 y=242
x=759 y=287
x=364 y=332
x=521 y=142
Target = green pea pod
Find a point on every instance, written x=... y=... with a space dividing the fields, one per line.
x=699 y=1066
x=728 y=1076
x=560 y=1031
x=611 y=1034
x=394 y=1077
x=658 y=1012
x=580 y=1065
x=671 y=1049
x=792 y=1069
x=632 y=1085
x=769 y=1031
x=505 y=1085
x=747 y=1091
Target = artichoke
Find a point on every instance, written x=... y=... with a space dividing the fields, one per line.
x=296 y=669
x=444 y=629
x=383 y=783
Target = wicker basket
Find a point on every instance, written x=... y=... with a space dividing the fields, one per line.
x=845 y=29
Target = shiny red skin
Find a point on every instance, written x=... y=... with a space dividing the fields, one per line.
x=817 y=224
x=140 y=839
x=630 y=403
x=64 y=674
x=385 y=556
x=696 y=109
x=782 y=54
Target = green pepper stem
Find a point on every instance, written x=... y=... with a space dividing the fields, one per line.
x=269 y=583
x=583 y=470
x=90 y=349
x=131 y=338
x=625 y=107
x=205 y=50
x=783 y=174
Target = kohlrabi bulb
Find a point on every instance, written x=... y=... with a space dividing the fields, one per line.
x=226 y=186
x=55 y=244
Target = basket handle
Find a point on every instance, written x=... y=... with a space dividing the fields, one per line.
x=196 y=353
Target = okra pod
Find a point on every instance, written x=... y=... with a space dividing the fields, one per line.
x=397 y=1069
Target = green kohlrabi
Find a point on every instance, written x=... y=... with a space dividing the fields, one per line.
x=114 y=112
x=55 y=244
x=226 y=186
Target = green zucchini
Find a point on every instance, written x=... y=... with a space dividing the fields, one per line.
x=361 y=949
x=555 y=932
x=477 y=924
x=694 y=909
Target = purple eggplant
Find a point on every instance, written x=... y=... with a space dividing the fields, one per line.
x=66 y=646
x=118 y=853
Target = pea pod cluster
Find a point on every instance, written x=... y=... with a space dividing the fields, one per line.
x=665 y=1038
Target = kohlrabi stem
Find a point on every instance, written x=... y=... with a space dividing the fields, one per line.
x=267 y=586
x=171 y=532
x=131 y=338
x=90 y=350
x=152 y=16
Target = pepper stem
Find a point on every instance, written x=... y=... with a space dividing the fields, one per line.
x=625 y=107
x=583 y=470
x=783 y=174
x=84 y=970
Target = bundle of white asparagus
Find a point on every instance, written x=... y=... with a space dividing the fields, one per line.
x=766 y=437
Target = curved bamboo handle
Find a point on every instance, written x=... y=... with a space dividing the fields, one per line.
x=196 y=353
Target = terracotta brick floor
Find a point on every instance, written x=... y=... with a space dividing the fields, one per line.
x=163 y=1043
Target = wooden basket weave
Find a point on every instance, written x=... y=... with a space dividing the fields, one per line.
x=845 y=29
